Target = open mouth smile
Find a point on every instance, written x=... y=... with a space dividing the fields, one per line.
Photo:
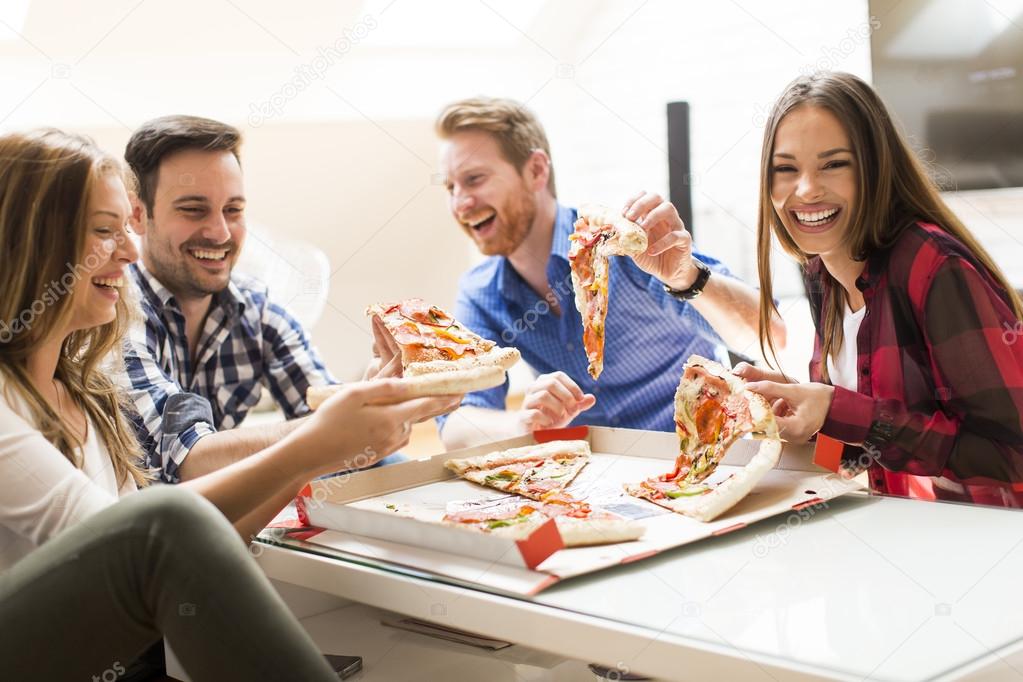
x=816 y=221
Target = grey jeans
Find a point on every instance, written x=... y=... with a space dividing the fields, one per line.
x=162 y=562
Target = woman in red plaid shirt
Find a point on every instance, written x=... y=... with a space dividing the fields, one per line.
x=918 y=360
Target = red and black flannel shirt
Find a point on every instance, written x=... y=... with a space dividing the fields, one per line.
x=938 y=408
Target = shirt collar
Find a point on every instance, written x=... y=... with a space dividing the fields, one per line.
x=160 y=296
x=510 y=284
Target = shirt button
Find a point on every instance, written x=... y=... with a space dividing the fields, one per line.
x=865 y=370
x=569 y=346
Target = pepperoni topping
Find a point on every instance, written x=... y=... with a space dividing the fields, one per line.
x=418 y=310
x=709 y=418
x=416 y=323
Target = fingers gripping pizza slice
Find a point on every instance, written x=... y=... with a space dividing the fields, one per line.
x=713 y=409
x=579 y=523
x=531 y=471
x=431 y=340
x=599 y=234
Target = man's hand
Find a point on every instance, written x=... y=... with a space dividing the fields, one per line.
x=669 y=254
x=800 y=409
x=386 y=360
x=552 y=401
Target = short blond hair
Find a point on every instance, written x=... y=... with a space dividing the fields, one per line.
x=516 y=128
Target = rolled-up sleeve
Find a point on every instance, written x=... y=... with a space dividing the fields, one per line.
x=168 y=420
x=293 y=364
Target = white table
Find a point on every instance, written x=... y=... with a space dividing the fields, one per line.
x=869 y=587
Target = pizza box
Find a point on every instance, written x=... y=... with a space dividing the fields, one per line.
x=391 y=514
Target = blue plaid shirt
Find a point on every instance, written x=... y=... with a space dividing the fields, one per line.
x=649 y=334
x=247 y=342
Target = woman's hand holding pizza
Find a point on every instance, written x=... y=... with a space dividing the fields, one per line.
x=800 y=409
x=552 y=401
x=365 y=421
x=669 y=254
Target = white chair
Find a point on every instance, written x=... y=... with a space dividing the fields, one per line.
x=296 y=272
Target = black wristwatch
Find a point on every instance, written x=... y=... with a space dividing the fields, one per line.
x=696 y=288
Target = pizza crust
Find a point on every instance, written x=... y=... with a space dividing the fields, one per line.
x=448 y=383
x=629 y=239
x=583 y=532
x=497 y=357
x=726 y=494
x=579 y=448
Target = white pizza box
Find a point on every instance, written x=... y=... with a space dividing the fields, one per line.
x=391 y=514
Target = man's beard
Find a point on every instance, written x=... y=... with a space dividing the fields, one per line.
x=175 y=273
x=517 y=217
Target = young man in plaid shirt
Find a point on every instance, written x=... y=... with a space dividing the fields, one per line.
x=211 y=339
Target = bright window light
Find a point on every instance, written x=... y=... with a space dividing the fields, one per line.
x=451 y=23
x=12 y=18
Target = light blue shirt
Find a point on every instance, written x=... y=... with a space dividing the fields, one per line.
x=649 y=335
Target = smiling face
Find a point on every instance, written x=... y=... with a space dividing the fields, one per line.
x=197 y=228
x=489 y=198
x=109 y=249
x=813 y=180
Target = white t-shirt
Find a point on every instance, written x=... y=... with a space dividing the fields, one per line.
x=41 y=492
x=843 y=373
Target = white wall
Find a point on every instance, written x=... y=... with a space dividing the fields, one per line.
x=372 y=75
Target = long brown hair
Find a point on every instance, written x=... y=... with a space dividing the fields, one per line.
x=46 y=180
x=893 y=192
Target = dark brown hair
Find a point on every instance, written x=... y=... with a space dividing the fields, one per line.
x=516 y=128
x=893 y=191
x=160 y=137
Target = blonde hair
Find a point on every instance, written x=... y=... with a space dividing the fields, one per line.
x=46 y=180
x=517 y=130
x=894 y=191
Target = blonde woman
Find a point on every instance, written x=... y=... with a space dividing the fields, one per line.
x=81 y=572
x=911 y=369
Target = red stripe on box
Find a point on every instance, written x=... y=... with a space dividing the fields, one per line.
x=729 y=529
x=639 y=557
x=573 y=433
x=808 y=503
x=306 y=491
x=303 y=517
x=828 y=453
x=543 y=585
x=543 y=542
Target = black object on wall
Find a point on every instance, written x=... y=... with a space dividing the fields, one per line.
x=680 y=189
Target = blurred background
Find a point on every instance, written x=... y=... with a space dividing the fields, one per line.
x=337 y=101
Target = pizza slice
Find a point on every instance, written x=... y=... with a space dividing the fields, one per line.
x=579 y=523
x=531 y=471
x=713 y=409
x=599 y=233
x=431 y=340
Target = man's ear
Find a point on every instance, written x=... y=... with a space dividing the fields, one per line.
x=139 y=216
x=538 y=169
